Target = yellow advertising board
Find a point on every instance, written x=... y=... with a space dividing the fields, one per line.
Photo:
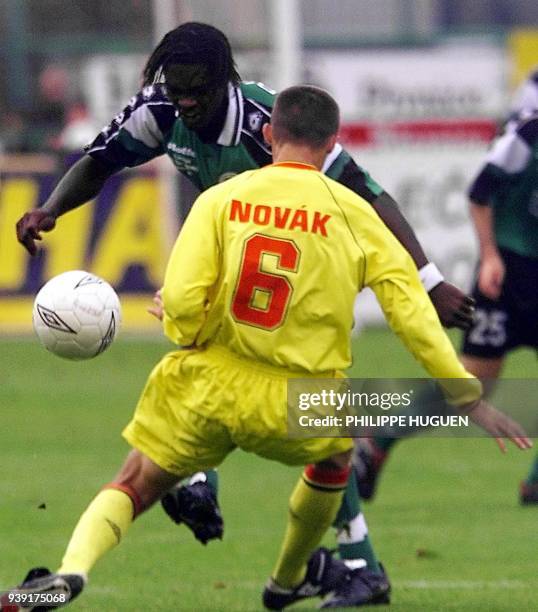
x=523 y=45
x=120 y=236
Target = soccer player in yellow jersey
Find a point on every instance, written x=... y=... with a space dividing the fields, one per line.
x=260 y=288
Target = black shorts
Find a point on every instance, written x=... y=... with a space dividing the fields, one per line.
x=512 y=320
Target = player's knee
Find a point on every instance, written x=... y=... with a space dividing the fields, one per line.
x=142 y=494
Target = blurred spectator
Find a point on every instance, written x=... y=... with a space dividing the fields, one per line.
x=47 y=120
x=14 y=133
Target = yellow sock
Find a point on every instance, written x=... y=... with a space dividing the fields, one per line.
x=100 y=528
x=311 y=513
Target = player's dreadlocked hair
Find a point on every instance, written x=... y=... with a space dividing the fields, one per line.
x=193 y=43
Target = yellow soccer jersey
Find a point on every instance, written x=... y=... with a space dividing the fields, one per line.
x=268 y=264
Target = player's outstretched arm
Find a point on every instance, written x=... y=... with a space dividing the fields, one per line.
x=83 y=181
x=498 y=425
x=410 y=315
x=454 y=308
x=389 y=211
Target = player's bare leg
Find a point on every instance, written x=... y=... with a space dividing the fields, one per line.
x=137 y=486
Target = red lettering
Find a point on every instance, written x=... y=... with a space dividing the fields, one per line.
x=300 y=220
x=262 y=215
x=281 y=217
x=276 y=286
x=237 y=210
x=318 y=224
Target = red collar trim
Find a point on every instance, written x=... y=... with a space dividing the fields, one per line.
x=296 y=165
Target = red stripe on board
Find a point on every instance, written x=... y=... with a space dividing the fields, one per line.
x=369 y=133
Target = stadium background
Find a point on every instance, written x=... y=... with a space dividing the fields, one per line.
x=422 y=85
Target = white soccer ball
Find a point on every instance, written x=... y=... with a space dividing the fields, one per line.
x=76 y=315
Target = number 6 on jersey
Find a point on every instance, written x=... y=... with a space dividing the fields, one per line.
x=261 y=298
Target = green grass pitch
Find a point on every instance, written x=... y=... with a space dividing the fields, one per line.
x=446 y=522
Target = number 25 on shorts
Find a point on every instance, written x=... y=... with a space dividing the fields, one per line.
x=261 y=298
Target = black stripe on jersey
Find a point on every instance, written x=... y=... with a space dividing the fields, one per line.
x=528 y=130
x=354 y=178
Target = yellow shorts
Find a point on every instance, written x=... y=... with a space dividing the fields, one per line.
x=198 y=405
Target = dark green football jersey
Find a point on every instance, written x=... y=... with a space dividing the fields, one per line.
x=508 y=181
x=151 y=126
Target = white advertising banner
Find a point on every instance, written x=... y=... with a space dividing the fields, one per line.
x=457 y=78
x=451 y=80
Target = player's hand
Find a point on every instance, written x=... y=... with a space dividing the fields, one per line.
x=30 y=226
x=455 y=309
x=491 y=276
x=158 y=309
x=498 y=425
